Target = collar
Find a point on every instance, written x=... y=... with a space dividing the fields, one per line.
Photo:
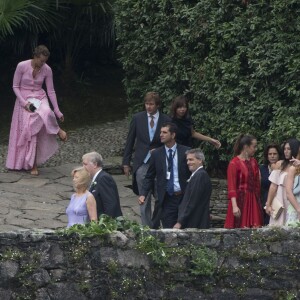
x=156 y=115
x=173 y=148
x=95 y=176
x=196 y=171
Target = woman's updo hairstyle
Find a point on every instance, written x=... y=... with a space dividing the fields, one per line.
x=242 y=140
x=41 y=50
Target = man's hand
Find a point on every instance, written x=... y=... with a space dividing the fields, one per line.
x=127 y=170
x=177 y=226
x=141 y=200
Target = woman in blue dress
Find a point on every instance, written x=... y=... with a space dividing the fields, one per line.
x=82 y=207
x=293 y=195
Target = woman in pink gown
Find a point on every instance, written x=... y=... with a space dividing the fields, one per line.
x=34 y=126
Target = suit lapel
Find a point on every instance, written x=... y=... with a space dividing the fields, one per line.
x=93 y=186
x=164 y=159
x=158 y=126
x=144 y=125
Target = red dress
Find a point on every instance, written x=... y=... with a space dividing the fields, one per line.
x=244 y=184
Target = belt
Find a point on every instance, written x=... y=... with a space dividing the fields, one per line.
x=178 y=193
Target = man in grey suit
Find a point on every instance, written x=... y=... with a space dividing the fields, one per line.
x=194 y=208
x=143 y=138
x=103 y=186
x=168 y=166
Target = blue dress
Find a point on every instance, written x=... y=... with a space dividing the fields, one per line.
x=77 y=210
x=291 y=214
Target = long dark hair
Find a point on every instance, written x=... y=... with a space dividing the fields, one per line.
x=294 y=145
x=177 y=102
x=266 y=151
x=242 y=140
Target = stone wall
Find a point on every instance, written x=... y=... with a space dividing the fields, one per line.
x=218 y=202
x=202 y=264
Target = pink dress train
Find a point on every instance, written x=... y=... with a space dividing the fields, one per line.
x=32 y=135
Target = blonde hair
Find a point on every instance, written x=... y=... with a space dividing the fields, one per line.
x=84 y=179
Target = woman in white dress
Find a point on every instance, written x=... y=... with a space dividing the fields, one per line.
x=278 y=182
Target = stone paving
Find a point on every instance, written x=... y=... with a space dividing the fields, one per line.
x=39 y=202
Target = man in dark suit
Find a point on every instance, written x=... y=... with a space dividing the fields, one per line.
x=143 y=135
x=103 y=186
x=194 y=208
x=168 y=166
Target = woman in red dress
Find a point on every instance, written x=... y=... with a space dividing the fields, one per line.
x=243 y=179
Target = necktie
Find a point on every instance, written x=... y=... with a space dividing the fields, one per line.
x=152 y=121
x=170 y=183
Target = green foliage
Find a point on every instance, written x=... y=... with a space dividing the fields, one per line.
x=146 y=243
x=112 y=267
x=31 y=17
x=152 y=247
x=204 y=261
x=104 y=225
x=239 y=64
x=11 y=254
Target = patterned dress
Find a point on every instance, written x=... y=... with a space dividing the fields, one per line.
x=244 y=184
x=32 y=135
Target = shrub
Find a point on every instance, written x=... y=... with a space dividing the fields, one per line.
x=239 y=64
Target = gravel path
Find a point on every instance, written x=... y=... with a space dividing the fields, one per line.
x=108 y=139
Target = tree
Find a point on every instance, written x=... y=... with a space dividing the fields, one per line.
x=21 y=21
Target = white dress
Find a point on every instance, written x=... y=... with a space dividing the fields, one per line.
x=279 y=178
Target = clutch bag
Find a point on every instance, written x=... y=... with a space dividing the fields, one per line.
x=277 y=208
x=35 y=102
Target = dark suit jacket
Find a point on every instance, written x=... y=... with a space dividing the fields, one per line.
x=138 y=136
x=194 y=208
x=106 y=194
x=158 y=169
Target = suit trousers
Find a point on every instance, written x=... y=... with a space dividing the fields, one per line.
x=170 y=210
x=147 y=218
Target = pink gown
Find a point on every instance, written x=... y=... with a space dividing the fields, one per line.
x=32 y=135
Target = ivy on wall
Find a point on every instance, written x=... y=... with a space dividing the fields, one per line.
x=239 y=64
